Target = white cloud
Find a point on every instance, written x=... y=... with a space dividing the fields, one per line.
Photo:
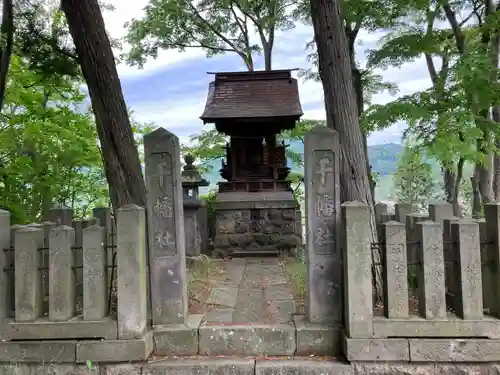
x=177 y=116
x=315 y=114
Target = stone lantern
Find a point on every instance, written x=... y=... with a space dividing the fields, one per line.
x=195 y=223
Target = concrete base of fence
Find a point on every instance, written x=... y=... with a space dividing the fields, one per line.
x=115 y=350
x=38 y=352
x=468 y=350
x=179 y=339
x=43 y=329
x=376 y=349
x=316 y=339
x=418 y=327
x=251 y=366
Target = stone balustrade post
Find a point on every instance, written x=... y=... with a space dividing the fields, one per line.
x=62 y=286
x=27 y=278
x=432 y=294
x=469 y=304
x=95 y=285
x=357 y=270
x=131 y=272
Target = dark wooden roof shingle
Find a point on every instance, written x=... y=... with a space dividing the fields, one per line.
x=258 y=94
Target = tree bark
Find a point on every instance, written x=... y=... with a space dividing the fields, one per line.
x=496 y=158
x=476 y=196
x=360 y=102
x=448 y=182
x=7 y=33
x=341 y=108
x=340 y=99
x=119 y=151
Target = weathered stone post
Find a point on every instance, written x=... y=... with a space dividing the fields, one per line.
x=469 y=304
x=95 y=290
x=28 y=286
x=357 y=270
x=131 y=271
x=60 y=215
x=191 y=182
x=61 y=275
x=380 y=209
x=396 y=271
x=105 y=217
x=166 y=228
x=431 y=288
x=440 y=210
x=401 y=210
x=322 y=193
x=5 y=280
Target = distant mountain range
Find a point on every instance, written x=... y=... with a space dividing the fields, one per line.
x=383 y=159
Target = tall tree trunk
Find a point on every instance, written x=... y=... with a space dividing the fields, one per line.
x=456 y=188
x=452 y=178
x=496 y=158
x=484 y=167
x=448 y=181
x=476 y=196
x=7 y=34
x=341 y=108
x=358 y=89
x=120 y=156
x=268 y=56
x=495 y=116
x=340 y=99
x=360 y=102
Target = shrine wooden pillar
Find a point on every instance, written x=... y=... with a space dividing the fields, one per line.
x=271 y=147
x=234 y=158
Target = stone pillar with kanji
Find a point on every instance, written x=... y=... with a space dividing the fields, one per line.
x=321 y=156
x=167 y=259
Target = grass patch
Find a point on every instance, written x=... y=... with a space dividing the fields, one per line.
x=202 y=274
x=295 y=269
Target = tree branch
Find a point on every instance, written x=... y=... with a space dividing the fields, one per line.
x=457 y=31
x=219 y=34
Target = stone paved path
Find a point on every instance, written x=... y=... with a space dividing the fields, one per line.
x=254 y=290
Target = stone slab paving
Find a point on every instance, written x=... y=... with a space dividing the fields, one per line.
x=254 y=290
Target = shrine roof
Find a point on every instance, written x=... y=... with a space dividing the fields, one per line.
x=257 y=94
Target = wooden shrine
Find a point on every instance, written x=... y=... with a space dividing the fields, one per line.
x=256 y=210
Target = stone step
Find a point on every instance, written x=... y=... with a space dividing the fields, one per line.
x=234 y=366
x=248 y=366
x=247 y=339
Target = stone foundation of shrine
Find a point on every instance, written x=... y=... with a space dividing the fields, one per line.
x=256 y=223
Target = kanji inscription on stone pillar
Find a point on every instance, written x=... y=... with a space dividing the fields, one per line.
x=321 y=152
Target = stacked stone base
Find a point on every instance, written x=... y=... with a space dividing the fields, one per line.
x=256 y=224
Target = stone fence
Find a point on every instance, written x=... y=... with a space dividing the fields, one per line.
x=444 y=309
x=39 y=294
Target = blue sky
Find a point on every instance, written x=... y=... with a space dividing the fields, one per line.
x=171 y=90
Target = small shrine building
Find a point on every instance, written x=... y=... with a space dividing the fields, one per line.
x=255 y=207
